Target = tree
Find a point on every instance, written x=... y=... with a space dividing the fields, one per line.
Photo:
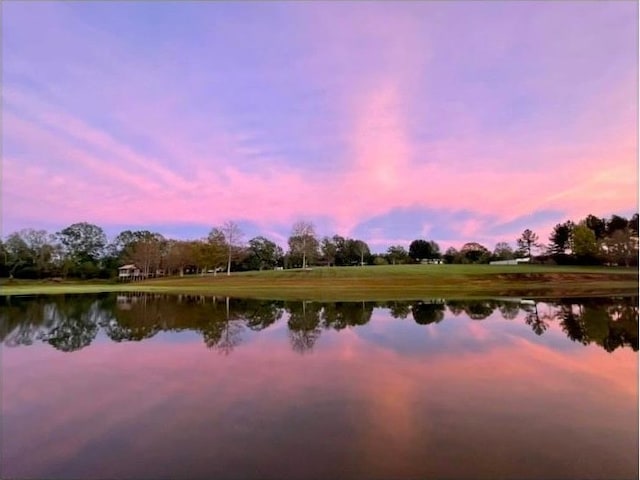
x=598 y=225
x=41 y=247
x=233 y=241
x=146 y=251
x=435 y=249
x=345 y=251
x=379 y=260
x=616 y=222
x=16 y=252
x=263 y=253
x=560 y=239
x=423 y=250
x=528 y=241
x=354 y=252
x=83 y=242
x=123 y=240
x=179 y=255
x=473 y=252
x=4 y=259
x=584 y=242
x=397 y=254
x=451 y=255
x=621 y=247
x=633 y=225
x=341 y=257
x=503 y=251
x=363 y=249
x=213 y=251
x=329 y=250
x=303 y=241
x=29 y=253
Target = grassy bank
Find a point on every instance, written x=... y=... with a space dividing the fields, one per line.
x=399 y=282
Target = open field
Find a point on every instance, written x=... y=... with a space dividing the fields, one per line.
x=393 y=282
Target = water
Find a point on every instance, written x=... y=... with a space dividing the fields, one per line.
x=143 y=386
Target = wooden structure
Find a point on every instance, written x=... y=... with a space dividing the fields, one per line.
x=129 y=273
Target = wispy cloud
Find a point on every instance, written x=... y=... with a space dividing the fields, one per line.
x=373 y=108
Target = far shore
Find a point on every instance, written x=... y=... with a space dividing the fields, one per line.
x=393 y=282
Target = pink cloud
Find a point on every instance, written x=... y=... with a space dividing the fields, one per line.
x=199 y=166
x=381 y=174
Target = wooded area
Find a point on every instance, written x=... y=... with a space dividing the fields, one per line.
x=82 y=250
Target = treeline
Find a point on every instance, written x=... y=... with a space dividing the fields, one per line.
x=82 y=250
x=590 y=241
x=593 y=240
x=72 y=323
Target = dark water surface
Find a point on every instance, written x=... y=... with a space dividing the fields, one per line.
x=200 y=387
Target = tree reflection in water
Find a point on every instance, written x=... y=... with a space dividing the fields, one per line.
x=425 y=313
x=611 y=325
x=71 y=322
x=509 y=310
x=534 y=320
x=304 y=325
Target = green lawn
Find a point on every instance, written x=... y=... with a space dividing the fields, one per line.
x=392 y=282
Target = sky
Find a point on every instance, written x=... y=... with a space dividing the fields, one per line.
x=384 y=121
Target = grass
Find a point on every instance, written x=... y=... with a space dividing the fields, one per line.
x=392 y=282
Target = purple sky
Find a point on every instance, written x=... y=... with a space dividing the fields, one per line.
x=450 y=121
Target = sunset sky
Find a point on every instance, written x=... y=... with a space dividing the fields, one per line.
x=449 y=121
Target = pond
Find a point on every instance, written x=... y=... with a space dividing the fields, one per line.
x=150 y=386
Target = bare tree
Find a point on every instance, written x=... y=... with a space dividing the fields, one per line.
x=363 y=249
x=146 y=252
x=303 y=240
x=233 y=240
x=179 y=254
x=212 y=251
x=503 y=251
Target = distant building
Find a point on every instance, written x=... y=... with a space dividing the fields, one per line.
x=132 y=272
x=515 y=261
x=129 y=273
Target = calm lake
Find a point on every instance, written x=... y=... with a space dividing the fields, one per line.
x=148 y=386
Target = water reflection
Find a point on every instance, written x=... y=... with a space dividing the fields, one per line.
x=70 y=323
x=431 y=389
